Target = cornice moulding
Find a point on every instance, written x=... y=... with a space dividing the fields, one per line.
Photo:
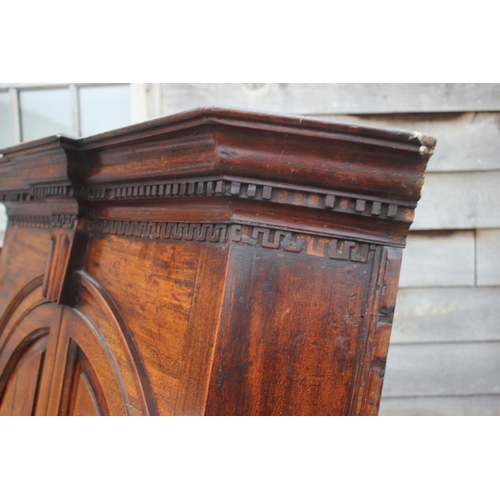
x=296 y=161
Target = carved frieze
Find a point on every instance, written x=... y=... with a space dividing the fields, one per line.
x=43 y=221
x=163 y=230
x=316 y=246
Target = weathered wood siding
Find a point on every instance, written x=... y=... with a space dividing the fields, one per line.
x=334 y=98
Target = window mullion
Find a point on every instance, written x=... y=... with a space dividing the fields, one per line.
x=75 y=110
x=16 y=114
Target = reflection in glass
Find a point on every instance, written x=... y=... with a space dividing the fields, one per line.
x=6 y=125
x=45 y=112
x=104 y=108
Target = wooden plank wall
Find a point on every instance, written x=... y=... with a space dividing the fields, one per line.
x=444 y=357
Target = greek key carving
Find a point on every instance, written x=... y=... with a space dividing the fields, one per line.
x=317 y=246
x=348 y=250
x=43 y=221
x=61 y=220
x=215 y=233
x=275 y=239
x=39 y=221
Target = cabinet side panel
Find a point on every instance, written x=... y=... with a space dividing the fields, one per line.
x=202 y=331
x=292 y=329
x=151 y=282
x=23 y=258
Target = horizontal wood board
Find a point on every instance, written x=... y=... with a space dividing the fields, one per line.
x=443 y=369
x=438 y=258
x=459 y=201
x=328 y=98
x=446 y=315
x=486 y=405
x=488 y=253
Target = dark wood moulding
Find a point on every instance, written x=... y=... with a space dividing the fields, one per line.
x=214 y=262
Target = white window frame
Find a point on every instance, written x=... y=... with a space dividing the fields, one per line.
x=14 y=88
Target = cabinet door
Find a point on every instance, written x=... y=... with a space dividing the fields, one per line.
x=98 y=369
x=28 y=338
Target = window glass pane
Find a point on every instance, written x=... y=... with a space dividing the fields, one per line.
x=6 y=125
x=104 y=108
x=45 y=112
x=3 y=223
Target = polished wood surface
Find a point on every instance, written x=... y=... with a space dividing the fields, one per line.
x=216 y=262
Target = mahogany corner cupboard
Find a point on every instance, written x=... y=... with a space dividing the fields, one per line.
x=214 y=262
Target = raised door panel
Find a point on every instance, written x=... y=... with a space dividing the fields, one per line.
x=151 y=278
x=28 y=338
x=83 y=392
x=98 y=370
x=23 y=375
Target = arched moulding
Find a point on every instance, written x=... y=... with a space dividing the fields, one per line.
x=40 y=313
x=27 y=295
x=96 y=318
x=86 y=370
x=24 y=365
x=23 y=369
x=91 y=382
x=28 y=330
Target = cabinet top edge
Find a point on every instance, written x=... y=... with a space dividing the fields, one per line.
x=231 y=117
x=218 y=142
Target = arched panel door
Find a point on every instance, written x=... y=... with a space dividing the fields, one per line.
x=28 y=338
x=98 y=369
